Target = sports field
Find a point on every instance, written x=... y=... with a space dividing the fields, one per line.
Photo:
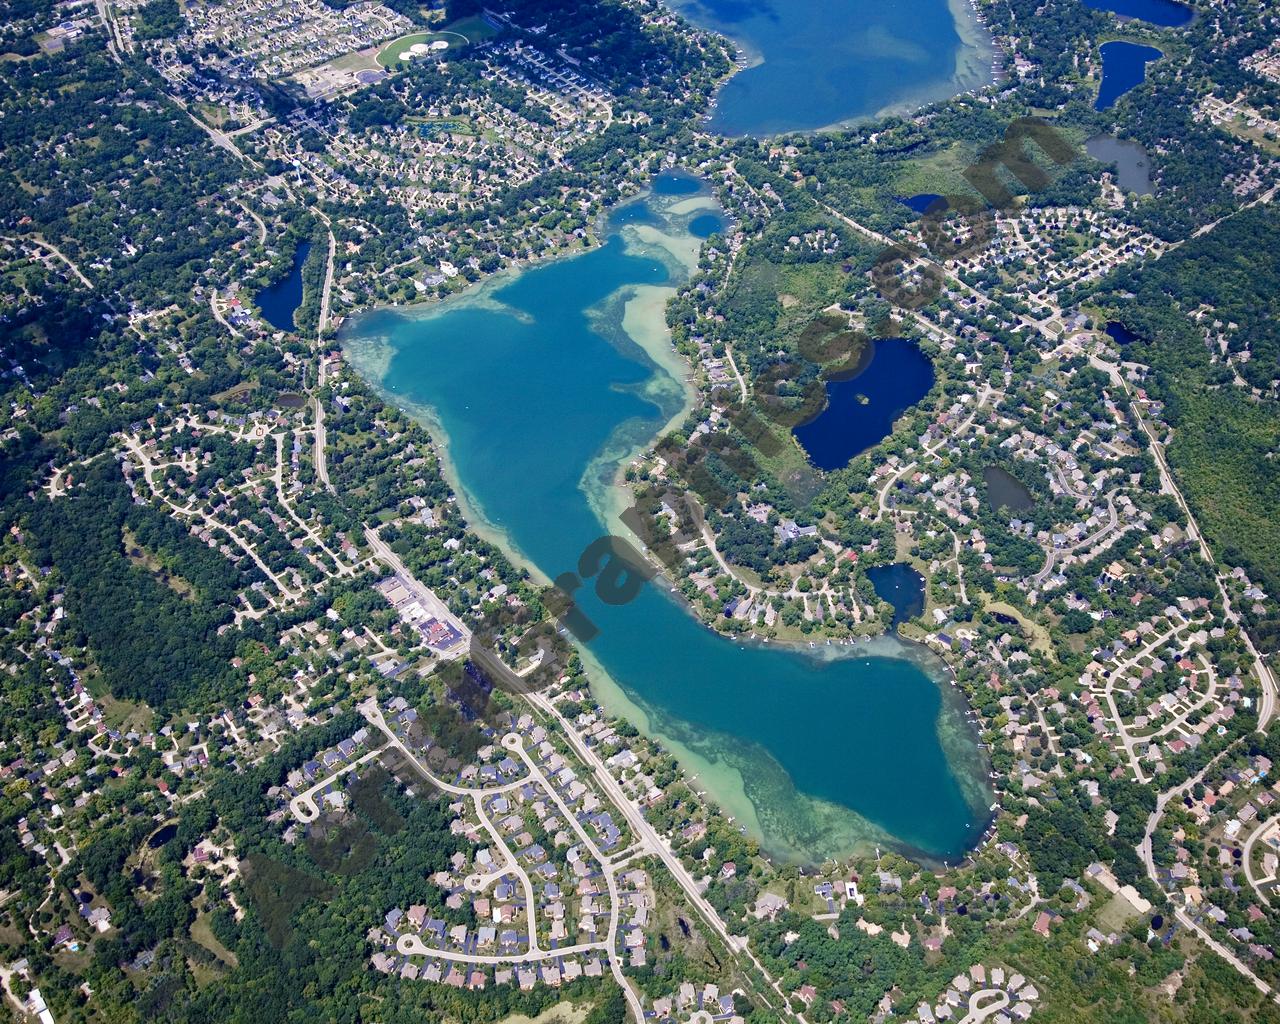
x=459 y=33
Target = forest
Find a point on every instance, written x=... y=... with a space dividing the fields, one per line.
x=150 y=642
x=1224 y=438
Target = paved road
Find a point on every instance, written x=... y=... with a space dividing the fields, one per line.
x=1247 y=860
x=1185 y=919
x=514 y=743
x=641 y=828
x=983 y=395
x=262 y=226
x=322 y=466
x=304 y=806
x=1089 y=541
x=148 y=473
x=36 y=240
x=217 y=315
x=343 y=569
x=422 y=592
x=114 y=42
x=327 y=291
x=1108 y=693
x=413 y=944
x=318 y=445
x=983 y=1003
x=1267 y=706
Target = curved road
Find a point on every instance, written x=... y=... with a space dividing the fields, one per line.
x=1267 y=706
x=646 y=832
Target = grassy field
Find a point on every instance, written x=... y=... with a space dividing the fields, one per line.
x=361 y=60
x=939 y=173
x=475 y=28
x=561 y=1013
x=389 y=55
x=212 y=113
x=236 y=391
x=122 y=714
x=1038 y=635
x=1241 y=130
x=147 y=560
x=203 y=934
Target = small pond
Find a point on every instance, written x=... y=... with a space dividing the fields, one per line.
x=921 y=203
x=162 y=836
x=281 y=300
x=1120 y=334
x=1124 y=67
x=1004 y=490
x=1130 y=160
x=900 y=585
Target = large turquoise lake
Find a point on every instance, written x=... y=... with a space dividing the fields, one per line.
x=540 y=384
x=814 y=64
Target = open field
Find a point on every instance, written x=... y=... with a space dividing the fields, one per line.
x=561 y=1013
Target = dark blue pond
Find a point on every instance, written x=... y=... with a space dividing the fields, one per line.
x=922 y=202
x=861 y=410
x=1124 y=66
x=279 y=301
x=705 y=225
x=1120 y=334
x=159 y=838
x=901 y=586
x=1157 y=12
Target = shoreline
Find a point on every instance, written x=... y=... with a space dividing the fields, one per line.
x=607 y=494
x=972 y=70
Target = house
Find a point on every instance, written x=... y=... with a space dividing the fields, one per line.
x=768 y=905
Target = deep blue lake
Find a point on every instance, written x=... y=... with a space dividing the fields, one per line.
x=1124 y=66
x=1157 y=12
x=900 y=585
x=816 y=64
x=279 y=301
x=861 y=410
